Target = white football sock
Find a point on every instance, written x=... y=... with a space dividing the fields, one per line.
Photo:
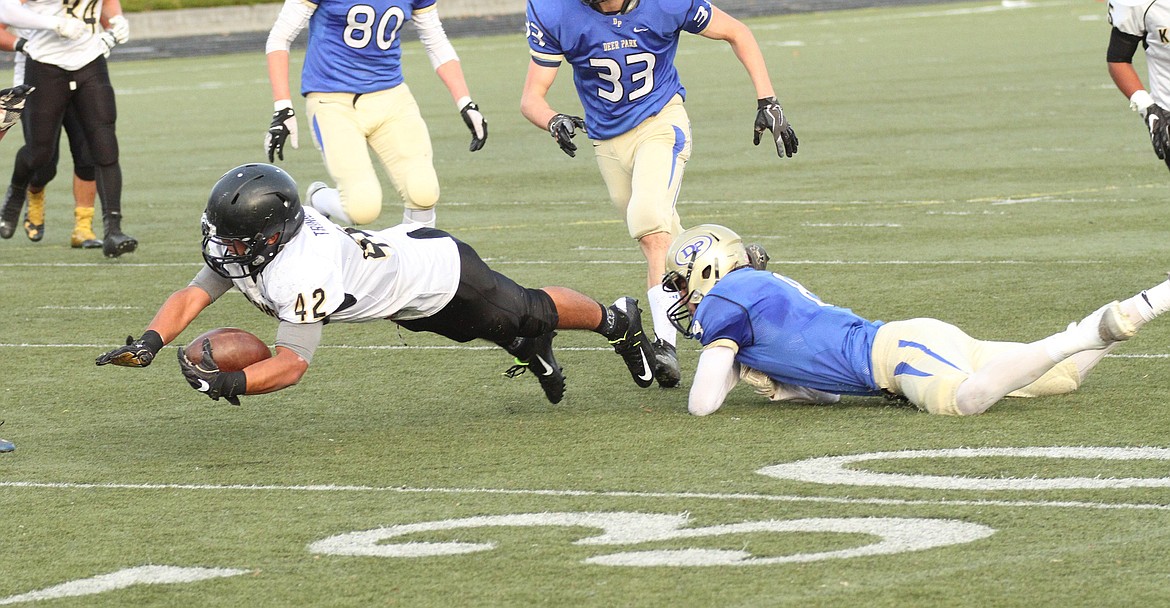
x=660 y=302
x=426 y=217
x=1078 y=337
x=1148 y=304
x=328 y=201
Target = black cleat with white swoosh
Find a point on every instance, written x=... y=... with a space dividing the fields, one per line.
x=630 y=341
x=536 y=355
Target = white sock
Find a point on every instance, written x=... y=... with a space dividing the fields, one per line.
x=426 y=217
x=1078 y=337
x=1151 y=302
x=660 y=302
x=328 y=201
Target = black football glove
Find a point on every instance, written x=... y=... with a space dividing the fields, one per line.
x=206 y=377
x=563 y=127
x=136 y=353
x=476 y=123
x=769 y=116
x=1158 y=122
x=12 y=104
x=284 y=124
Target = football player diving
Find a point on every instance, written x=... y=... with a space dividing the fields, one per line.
x=295 y=265
x=622 y=57
x=771 y=332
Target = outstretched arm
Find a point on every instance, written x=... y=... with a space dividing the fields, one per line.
x=171 y=319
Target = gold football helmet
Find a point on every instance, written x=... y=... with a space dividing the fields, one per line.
x=697 y=259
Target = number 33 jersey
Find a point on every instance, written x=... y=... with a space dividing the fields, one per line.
x=349 y=275
x=354 y=46
x=623 y=64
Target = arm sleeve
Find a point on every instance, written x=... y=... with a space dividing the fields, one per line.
x=293 y=18
x=433 y=38
x=715 y=376
x=301 y=338
x=1122 y=47
x=15 y=14
x=212 y=283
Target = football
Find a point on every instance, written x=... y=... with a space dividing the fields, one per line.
x=232 y=349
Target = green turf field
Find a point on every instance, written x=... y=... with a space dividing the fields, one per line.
x=966 y=162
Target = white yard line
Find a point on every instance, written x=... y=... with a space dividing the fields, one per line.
x=585 y=494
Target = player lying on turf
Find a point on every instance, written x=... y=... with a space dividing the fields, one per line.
x=770 y=331
x=299 y=267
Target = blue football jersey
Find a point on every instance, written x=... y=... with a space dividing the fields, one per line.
x=788 y=333
x=623 y=65
x=354 y=46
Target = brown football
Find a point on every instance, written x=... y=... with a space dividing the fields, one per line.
x=232 y=349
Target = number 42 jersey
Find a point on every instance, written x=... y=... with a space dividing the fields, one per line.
x=623 y=64
x=348 y=275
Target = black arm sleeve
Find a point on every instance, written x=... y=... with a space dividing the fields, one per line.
x=1122 y=47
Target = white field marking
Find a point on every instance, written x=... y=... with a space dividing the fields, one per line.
x=831 y=469
x=452 y=347
x=99 y=265
x=186 y=88
x=847 y=225
x=718 y=496
x=106 y=307
x=633 y=262
x=897 y=535
x=142 y=575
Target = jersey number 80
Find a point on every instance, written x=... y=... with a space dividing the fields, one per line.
x=359 y=29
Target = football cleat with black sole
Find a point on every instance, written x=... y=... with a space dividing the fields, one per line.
x=631 y=342
x=536 y=354
x=666 y=370
x=117 y=243
x=10 y=213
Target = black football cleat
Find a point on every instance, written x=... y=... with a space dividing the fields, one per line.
x=630 y=341
x=116 y=242
x=536 y=354
x=666 y=370
x=10 y=213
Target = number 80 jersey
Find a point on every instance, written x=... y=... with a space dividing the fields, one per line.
x=623 y=64
x=354 y=45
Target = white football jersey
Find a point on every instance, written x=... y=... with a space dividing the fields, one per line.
x=46 y=46
x=351 y=275
x=1149 y=19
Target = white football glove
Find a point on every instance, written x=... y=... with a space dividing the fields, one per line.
x=120 y=28
x=283 y=127
x=108 y=40
x=70 y=28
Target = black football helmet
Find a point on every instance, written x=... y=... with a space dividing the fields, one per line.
x=253 y=211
